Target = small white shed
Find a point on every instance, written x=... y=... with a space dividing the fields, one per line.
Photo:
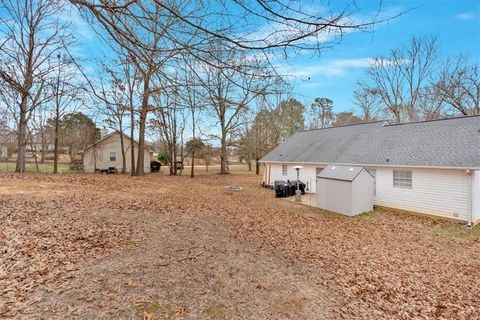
x=345 y=190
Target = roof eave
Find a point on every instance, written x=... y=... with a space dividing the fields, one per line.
x=370 y=165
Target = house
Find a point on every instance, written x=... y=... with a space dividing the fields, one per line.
x=3 y=152
x=8 y=141
x=430 y=167
x=108 y=153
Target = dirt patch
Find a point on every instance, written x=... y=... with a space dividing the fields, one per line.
x=164 y=247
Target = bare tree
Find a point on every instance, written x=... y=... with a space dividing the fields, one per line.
x=33 y=36
x=321 y=113
x=118 y=102
x=230 y=92
x=67 y=96
x=194 y=103
x=431 y=104
x=170 y=118
x=399 y=78
x=153 y=31
x=284 y=23
x=367 y=101
x=459 y=86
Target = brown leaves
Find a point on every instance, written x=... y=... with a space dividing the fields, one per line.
x=389 y=265
x=43 y=238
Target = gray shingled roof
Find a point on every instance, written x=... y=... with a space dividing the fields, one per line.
x=442 y=143
x=340 y=172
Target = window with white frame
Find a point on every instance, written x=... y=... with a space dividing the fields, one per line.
x=284 y=170
x=402 y=178
x=113 y=156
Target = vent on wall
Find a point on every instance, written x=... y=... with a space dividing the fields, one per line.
x=455 y=214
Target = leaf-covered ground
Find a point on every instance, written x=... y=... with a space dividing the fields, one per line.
x=160 y=247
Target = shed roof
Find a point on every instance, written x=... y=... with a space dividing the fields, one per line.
x=343 y=173
x=451 y=142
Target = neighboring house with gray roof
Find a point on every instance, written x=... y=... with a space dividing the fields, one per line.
x=430 y=167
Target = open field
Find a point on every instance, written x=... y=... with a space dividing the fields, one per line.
x=159 y=247
x=46 y=167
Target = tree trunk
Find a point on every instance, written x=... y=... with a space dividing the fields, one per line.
x=397 y=116
x=141 y=144
x=257 y=166
x=95 y=157
x=171 y=164
x=192 y=173
x=132 y=142
x=223 y=152
x=22 y=137
x=34 y=150
x=174 y=155
x=44 y=143
x=122 y=147
x=55 y=146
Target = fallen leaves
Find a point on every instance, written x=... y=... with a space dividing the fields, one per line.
x=388 y=265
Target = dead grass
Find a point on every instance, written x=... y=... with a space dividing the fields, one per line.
x=160 y=247
x=46 y=167
x=457 y=232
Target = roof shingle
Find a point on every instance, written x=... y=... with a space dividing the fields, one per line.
x=441 y=143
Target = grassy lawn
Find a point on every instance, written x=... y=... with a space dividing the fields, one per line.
x=161 y=247
x=46 y=167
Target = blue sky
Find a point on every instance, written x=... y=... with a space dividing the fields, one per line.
x=334 y=74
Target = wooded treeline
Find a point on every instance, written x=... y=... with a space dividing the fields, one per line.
x=198 y=77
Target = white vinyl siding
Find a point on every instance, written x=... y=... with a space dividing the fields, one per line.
x=346 y=197
x=284 y=170
x=438 y=192
x=402 y=178
x=106 y=148
x=434 y=191
x=476 y=196
x=307 y=175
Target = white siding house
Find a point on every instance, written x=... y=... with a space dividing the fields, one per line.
x=437 y=192
x=430 y=167
x=107 y=152
x=3 y=152
x=286 y=172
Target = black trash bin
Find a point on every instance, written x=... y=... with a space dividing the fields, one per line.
x=293 y=185
x=281 y=188
x=155 y=166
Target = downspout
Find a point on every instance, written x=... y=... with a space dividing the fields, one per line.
x=470 y=198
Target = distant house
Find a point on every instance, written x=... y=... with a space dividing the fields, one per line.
x=431 y=167
x=107 y=152
x=3 y=152
x=8 y=139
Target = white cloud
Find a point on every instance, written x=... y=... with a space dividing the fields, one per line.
x=334 y=68
x=465 y=16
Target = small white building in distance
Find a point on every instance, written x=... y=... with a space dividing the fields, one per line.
x=107 y=153
x=3 y=152
x=430 y=167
